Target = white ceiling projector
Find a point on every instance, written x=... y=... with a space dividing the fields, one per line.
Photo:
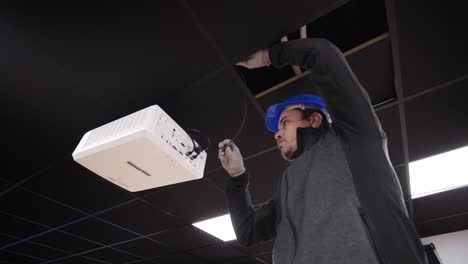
x=144 y=150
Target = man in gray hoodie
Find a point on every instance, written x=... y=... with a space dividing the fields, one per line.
x=339 y=200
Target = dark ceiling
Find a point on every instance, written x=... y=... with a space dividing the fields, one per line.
x=68 y=69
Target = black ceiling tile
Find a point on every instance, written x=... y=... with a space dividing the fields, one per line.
x=6 y=240
x=217 y=108
x=99 y=231
x=373 y=67
x=4 y=185
x=10 y=257
x=365 y=19
x=390 y=121
x=264 y=171
x=37 y=209
x=443 y=226
x=91 y=67
x=222 y=21
x=218 y=177
x=435 y=121
x=38 y=251
x=65 y=242
x=111 y=255
x=141 y=218
x=193 y=200
x=18 y=228
x=126 y=48
x=144 y=193
x=180 y=258
x=79 y=260
x=144 y=247
x=60 y=116
x=72 y=184
x=28 y=109
x=440 y=205
x=186 y=238
x=257 y=249
x=218 y=253
x=431 y=43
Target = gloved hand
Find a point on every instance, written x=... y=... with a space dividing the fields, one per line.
x=231 y=158
x=259 y=59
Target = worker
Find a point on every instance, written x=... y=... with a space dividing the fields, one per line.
x=339 y=200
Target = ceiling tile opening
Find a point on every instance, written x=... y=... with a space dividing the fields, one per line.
x=348 y=26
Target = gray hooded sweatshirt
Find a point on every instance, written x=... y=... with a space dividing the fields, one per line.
x=339 y=200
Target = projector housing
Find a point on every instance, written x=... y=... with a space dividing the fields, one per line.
x=144 y=150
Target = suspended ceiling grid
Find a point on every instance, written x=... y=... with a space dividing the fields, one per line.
x=66 y=70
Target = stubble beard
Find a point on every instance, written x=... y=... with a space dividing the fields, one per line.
x=286 y=154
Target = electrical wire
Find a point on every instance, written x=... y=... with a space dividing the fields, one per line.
x=245 y=111
x=235 y=135
x=199 y=150
x=196 y=145
x=243 y=120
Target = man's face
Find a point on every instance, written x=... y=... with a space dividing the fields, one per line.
x=286 y=137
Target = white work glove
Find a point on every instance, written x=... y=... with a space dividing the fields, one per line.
x=231 y=158
x=259 y=59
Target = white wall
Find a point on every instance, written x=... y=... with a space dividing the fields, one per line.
x=452 y=248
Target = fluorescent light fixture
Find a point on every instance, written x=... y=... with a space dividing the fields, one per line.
x=220 y=227
x=439 y=173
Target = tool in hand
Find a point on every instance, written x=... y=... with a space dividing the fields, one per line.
x=230 y=144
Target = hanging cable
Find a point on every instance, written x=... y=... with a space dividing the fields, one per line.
x=196 y=147
x=231 y=142
x=243 y=120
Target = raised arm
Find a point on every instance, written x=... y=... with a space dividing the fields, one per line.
x=346 y=100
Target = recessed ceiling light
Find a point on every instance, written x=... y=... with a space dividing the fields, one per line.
x=220 y=227
x=439 y=173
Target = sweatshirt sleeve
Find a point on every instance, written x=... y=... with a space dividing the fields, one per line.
x=251 y=225
x=346 y=100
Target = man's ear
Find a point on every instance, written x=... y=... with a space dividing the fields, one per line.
x=315 y=120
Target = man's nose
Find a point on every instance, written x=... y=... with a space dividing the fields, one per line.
x=277 y=135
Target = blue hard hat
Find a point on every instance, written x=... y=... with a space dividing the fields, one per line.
x=308 y=100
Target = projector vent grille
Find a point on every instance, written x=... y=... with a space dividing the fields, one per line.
x=115 y=128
